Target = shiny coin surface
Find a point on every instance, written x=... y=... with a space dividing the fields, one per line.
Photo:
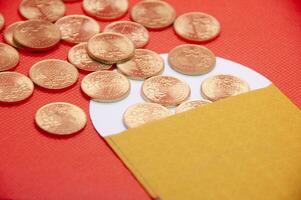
x=134 y=31
x=106 y=86
x=37 y=35
x=77 y=28
x=190 y=104
x=78 y=56
x=142 y=113
x=165 y=90
x=143 y=65
x=154 y=14
x=50 y=10
x=222 y=86
x=53 y=74
x=14 y=87
x=2 y=21
x=191 y=59
x=9 y=57
x=61 y=118
x=106 y=9
x=8 y=34
x=197 y=26
x=111 y=48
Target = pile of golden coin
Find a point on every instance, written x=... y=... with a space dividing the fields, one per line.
x=111 y=57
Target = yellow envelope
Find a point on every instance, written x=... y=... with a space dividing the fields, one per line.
x=246 y=147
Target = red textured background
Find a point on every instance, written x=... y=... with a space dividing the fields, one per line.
x=264 y=35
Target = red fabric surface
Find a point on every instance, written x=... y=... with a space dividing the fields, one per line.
x=264 y=35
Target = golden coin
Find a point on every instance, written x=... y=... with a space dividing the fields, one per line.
x=37 y=34
x=222 y=86
x=106 y=86
x=191 y=59
x=110 y=48
x=142 y=113
x=78 y=56
x=2 y=21
x=134 y=31
x=61 y=118
x=165 y=90
x=190 y=104
x=105 y=9
x=9 y=57
x=143 y=65
x=53 y=74
x=14 y=87
x=197 y=26
x=9 y=32
x=77 y=28
x=50 y=10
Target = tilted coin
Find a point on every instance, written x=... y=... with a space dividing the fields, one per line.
x=14 y=87
x=154 y=14
x=77 y=28
x=106 y=86
x=37 y=35
x=142 y=113
x=190 y=104
x=134 y=31
x=165 y=90
x=222 y=86
x=191 y=59
x=9 y=57
x=143 y=65
x=9 y=32
x=53 y=74
x=2 y=21
x=197 y=26
x=61 y=118
x=78 y=56
x=50 y=10
x=105 y=9
x=110 y=48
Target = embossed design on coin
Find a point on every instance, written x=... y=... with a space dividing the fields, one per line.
x=9 y=32
x=53 y=74
x=14 y=87
x=110 y=48
x=106 y=86
x=61 y=118
x=165 y=90
x=9 y=57
x=143 y=65
x=2 y=21
x=154 y=14
x=197 y=26
x=106 y=9
x=191 y=59
x=78 y=56
x=50 y=10
x=77 y=28
x=142 y=113
x=134 y=31
x=222 y=86
x=190 y=104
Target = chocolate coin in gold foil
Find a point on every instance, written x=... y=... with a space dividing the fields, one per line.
x=143 y=65
x=106 y=86
x=78 y=56
x=77 y=28
x=105 y=9
x=190 y=104
x=142 y=113
x=191 y=59
x=50 y=10
x=165 y=90
x=197 y=26
x=14 y=87
x=9 y=57
x=110 y=48
x=53 y=74
x=9 y=32
x=37 y=35
x=153 y=14
x=2 y=21
x=61 y=118
x=134 y=31
x=222 y=86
